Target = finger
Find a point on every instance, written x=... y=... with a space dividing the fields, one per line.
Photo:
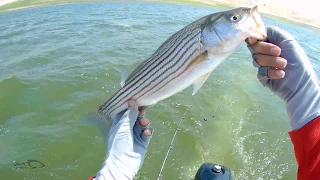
x=272 y=61
x=140 y=126
x=133 y=104
x=276 y=73
x=130 y=116
x=144 y=122
x=263 y=74
x=147 y=132
x=143 y=131
x=126 y=120
x=266 y=48
x=266 y=73
x=251 y=41
x=147 y=135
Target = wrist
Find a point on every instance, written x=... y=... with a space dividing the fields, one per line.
x=304 y=106
x=113 y=169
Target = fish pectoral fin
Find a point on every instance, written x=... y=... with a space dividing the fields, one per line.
x=199 y=82
x=193 y=64
x=198 y=60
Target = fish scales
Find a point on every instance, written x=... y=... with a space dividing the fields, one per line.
x=170 y=66
x=170 y=45
x=170 y=51
x=142 y=90
x=144 y=79
x=187 y=57
x=155 y=61
x=146 y=68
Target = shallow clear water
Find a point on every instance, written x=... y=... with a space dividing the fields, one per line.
x=58 y=63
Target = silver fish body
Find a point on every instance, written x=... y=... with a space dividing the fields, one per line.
x=187 y=57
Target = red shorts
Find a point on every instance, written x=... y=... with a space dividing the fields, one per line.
x=306 y=142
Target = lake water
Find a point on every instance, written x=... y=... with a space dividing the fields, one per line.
x=58 y=63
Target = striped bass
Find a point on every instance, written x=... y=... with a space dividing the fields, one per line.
x=187 y=57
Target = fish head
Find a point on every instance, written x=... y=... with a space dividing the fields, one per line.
x=224 y=31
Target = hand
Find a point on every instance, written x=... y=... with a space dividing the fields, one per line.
x=286 y=70
x=129 y=138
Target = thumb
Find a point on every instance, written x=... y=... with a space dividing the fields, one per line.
x=129 y=117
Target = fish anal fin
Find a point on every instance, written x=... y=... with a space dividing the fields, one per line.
x=123 y=77
x=198 y=60
x=101 y=122
x=199 y=82
x=142 y=108
x=127 y=72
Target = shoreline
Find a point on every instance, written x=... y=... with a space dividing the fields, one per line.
x=13 y=5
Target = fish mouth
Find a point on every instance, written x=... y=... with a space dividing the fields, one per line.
x=258 y=31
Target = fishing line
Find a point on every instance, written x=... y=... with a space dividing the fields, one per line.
x=170 y=147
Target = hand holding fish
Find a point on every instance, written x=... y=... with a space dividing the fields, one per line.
x=186 y=58
x=129 y=138
x=286 y=70
x=266 y=54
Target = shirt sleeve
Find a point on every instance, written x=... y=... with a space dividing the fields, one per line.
x=306 y=142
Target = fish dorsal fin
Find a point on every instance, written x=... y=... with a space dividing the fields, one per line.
x=199 y=82
x=125 y=73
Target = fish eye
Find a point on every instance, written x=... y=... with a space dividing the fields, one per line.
x=234 y=18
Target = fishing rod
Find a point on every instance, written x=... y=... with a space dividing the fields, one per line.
x=170 y=147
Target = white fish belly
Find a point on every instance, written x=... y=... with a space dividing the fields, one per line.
x=177 y=84
x=183 y=81
x=174 y=86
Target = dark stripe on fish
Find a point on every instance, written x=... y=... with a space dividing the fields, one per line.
x=171 y=65
x=194 y=51
x=152 y=65
x=151 y=75
x=168 y=48
x=161 y=75
x=157 y=53
x=151 y=69
x=175 y=76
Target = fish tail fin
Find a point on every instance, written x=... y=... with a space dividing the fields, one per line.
x=101 y=122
